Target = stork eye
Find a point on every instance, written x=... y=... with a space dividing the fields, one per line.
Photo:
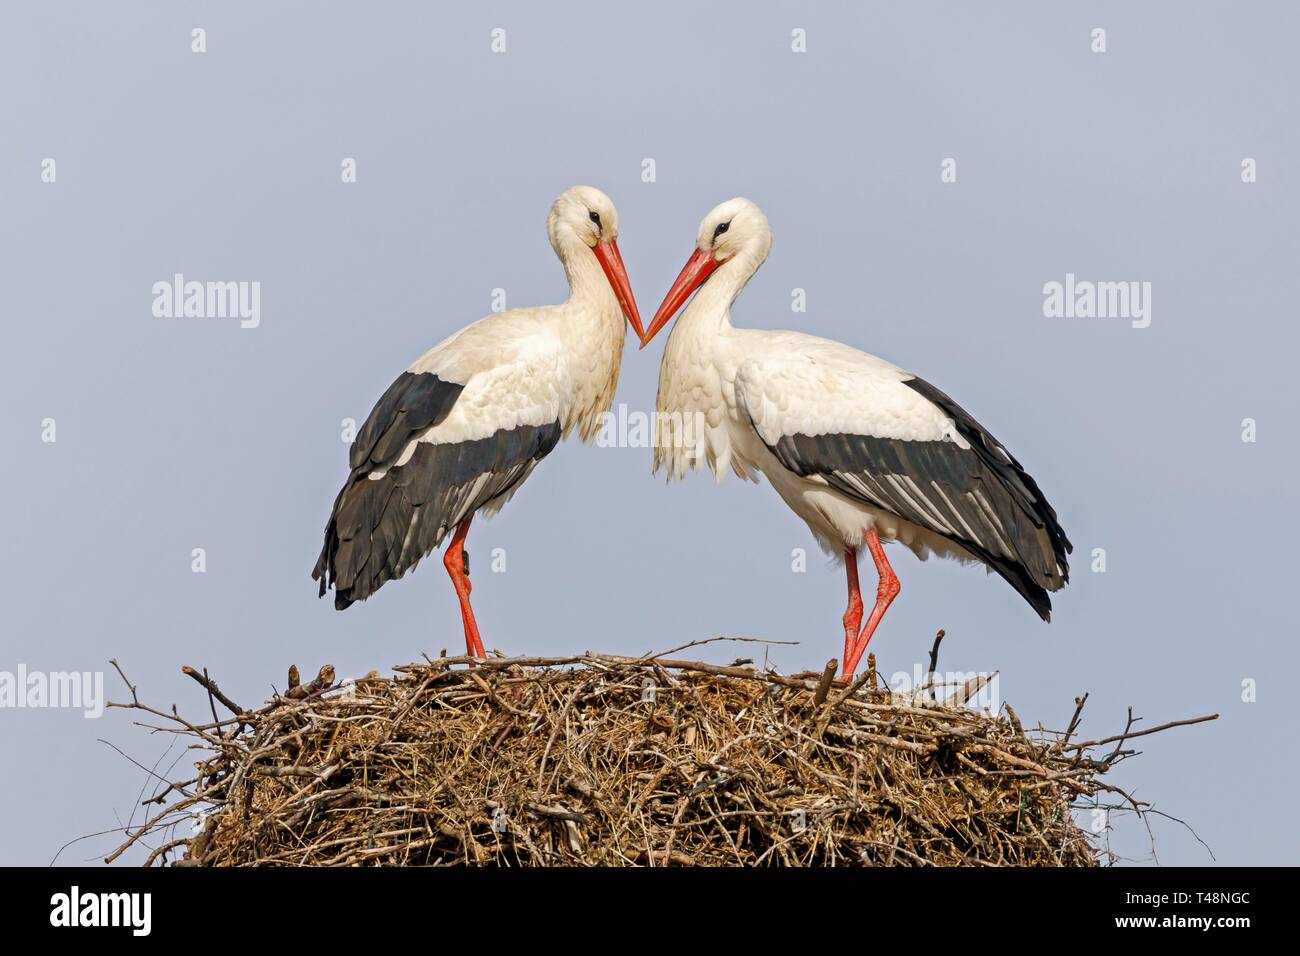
x=722 y=227
x=595 y=217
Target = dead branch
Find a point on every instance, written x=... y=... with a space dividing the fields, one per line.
x=564 y=760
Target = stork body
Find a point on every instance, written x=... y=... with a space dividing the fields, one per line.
x=863 y=451
x=465 y=425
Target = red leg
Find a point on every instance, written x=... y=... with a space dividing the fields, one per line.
x=853 y=616
x=454 y=561
x=886 y=591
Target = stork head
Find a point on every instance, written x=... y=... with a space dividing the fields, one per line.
x=583 y=221
x=735 y=232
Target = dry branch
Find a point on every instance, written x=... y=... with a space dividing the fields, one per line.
x=611 y=760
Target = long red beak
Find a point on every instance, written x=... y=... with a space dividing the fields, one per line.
x=698 y=268
x=608 y=256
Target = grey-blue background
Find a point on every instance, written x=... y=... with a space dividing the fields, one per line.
x=180 y=434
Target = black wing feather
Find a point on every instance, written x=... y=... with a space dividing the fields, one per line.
x=380 y=528
x=411 y=404
x=980 y=497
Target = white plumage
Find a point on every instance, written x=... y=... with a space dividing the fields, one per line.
x=464 y=426
x=860 y=449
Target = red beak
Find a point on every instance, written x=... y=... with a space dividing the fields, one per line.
x=608 y=256
x=698 y=268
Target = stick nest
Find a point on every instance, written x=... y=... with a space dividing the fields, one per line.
x=611 y=761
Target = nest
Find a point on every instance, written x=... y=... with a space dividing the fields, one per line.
x=613 y=761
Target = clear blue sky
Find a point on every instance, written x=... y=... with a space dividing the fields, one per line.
x=225 y=165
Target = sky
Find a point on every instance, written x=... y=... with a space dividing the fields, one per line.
x=927 y=168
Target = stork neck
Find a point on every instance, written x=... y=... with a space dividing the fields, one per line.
x=587 y=282
x=712 y=303
x=591 y=324
x=592 y=317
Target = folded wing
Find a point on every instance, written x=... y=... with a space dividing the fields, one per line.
x=444 y=441
x=884 y=437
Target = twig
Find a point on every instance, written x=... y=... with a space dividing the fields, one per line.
x=129 y=685
x=710 y=640
x=1074 y=720
x=824 y=685
x=934 y=655
x=214 y=690
x=1141 y=733
x=320 y=682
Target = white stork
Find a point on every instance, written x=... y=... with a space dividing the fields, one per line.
x=461 y=429
x=862 y=451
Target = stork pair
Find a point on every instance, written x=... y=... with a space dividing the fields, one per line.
x=864 y=452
